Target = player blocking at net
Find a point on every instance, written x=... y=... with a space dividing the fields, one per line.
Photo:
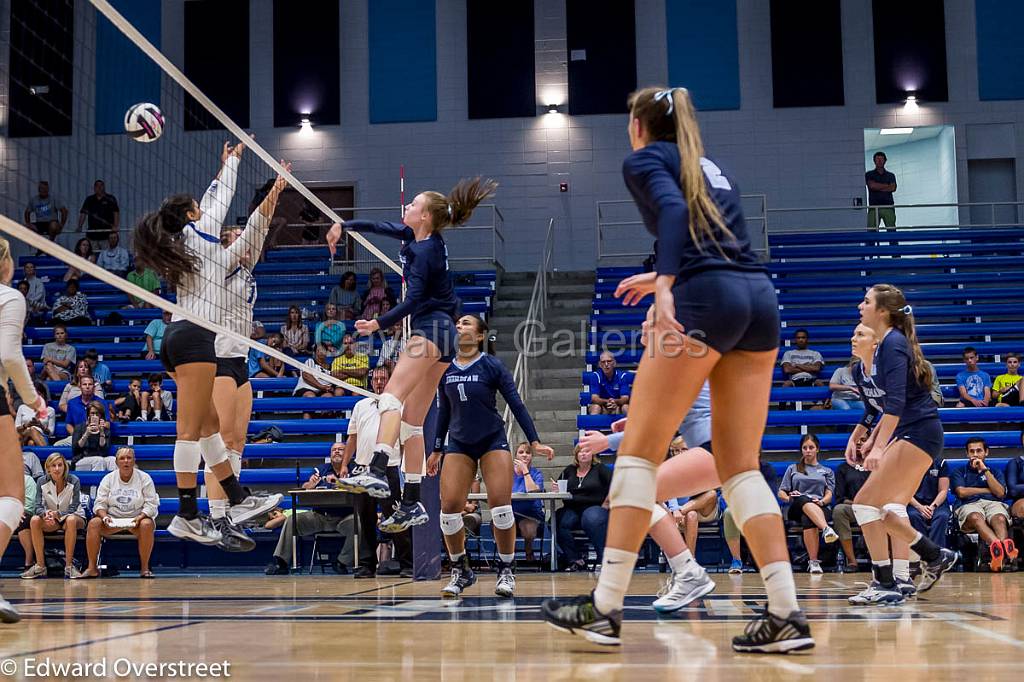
x=432 y=305
x=181 y=242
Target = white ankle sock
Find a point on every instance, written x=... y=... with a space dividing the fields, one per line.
x=506 y=558
x=457 y=557
x=680 y=563
x=616 y=572
x=778 y=583
x=218 y=508
x=901 y=569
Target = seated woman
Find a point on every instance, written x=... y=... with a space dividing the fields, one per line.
x=125 y=495
x=58 y=509
x=589 y=483
x=270 y=367
x=808 y=487
x=844 y=388
x=345 y=297
x=72 y=307
x=529 y=513
x=295 y=333
x=330 y=331
x=90 y=441
x=378 y=298
x=690 y=512
x=32 y=430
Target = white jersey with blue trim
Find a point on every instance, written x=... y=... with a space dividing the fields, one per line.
x=240 y=289
x=202 y=293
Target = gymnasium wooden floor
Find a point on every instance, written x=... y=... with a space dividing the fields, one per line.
x=971 y=627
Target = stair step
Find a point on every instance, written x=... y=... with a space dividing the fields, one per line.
x=542 y=380
x=555 y=288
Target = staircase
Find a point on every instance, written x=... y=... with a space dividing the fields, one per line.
x=555 y=384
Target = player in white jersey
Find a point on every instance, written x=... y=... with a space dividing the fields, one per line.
x=12 y=366
x=232 y=390
x=178 y=242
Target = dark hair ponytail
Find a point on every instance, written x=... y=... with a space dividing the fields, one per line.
x=457 y=207
x=901 y=316
x=158 y=242
x=487 y=343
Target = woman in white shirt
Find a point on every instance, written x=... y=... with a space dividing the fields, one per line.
x=33 y=430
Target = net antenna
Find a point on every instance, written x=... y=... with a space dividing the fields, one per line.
x=125 y=26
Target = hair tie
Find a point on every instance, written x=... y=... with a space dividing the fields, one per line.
x=449 y=211
x=667 y=94
x=907 y=310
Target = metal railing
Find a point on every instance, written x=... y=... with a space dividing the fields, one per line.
x=620 y=230
x=534 y=319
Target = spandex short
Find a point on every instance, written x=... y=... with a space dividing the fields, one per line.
x=729 y=310
x=234 y=368
x=926 y=434
x=476 y=451
x=5 y=408
x=186 y=343
x=438 y=328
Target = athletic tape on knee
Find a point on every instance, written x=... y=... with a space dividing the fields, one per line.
x=11 y=509
x=865 y=513
x=634 y=483
x=235 y=457
x=213 y=449
x=896 y=509
x=451 y=523
x=388 y=403
x=658 y=512
x=408 y=431
x=748 y=495
x=186 y=456
x=502 y=517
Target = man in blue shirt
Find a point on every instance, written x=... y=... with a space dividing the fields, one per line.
x=611 y=394
x=973 y=384
x=979 y=506
x=881 y=184
x=78 y=405
x=929 y=507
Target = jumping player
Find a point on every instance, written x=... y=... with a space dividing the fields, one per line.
x=715 y=315
x=432 y=304
x=468 y=415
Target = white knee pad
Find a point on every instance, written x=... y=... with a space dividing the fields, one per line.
x=451 y=523
x=408 y=431
x=502 y=517
x=748 y=495
x=634 y=483
x=865 y=513
x=186 y=456
x=235 y=457
x=896 y=509
x=388 y=403
x=658 y=512
x=11 y=509
x=213 y=449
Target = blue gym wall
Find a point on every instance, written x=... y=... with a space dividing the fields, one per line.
x=124 y=75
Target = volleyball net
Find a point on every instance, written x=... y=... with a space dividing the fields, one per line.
x=81 y=165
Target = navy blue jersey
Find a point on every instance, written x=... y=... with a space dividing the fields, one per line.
x=652 y=176
x=467 y=402
x=872 y=396
x=425 y=270
x=894 y=383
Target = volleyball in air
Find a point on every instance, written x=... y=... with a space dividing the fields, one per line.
x=144 y=122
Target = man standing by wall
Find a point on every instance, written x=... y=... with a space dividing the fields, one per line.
x=881 y=184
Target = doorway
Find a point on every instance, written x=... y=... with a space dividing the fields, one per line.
x=923 y=159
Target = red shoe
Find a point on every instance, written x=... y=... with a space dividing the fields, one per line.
x=996 y=550
x=1010 y=548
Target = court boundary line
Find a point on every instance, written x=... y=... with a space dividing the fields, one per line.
x=100 y=640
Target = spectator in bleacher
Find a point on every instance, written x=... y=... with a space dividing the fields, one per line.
x=90 y=442
x=155 y=335
x=1006 y=387
x=144 y=278
x=613 y=387
x=529 y=514
x=392 y=347
x=31 y=465
x=114 y=259
x=690 y=512
x=259 y=332
x=849 y=481
x=270 y=367
x=808 y=487
x=102 y=211
x=126 y=493
x=31 y=430
x=24 y=529
x=732 y=531
x=83 y=248
x=58 y=356
x=295 y=333
x=79 y=405
x=330 y=331
x=128 y=408
x=73 y=388
x=881 y=185
x=157 y=402
x=45 y=213
x=929 y=507
x=72 y=308
x=36 y=296
x=979 y=507
x=935 y=389
x=589 y=484
x=58 y=509
x=378 y=298
x=309 y=384
x=800 y=364
x=345 y=296
x=472 y=519
x=100 y=372
x=350 y=366
x=844 y=388
x=974 y=385
x=1015 y=484
x=333 y=520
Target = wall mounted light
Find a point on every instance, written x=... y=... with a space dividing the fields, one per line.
x=895 y=131
x=552 y=108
